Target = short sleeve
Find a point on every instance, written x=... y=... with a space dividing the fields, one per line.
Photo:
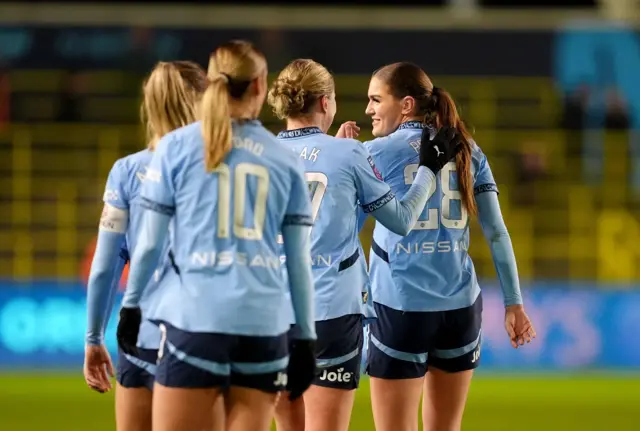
x=484 y=181
x=158 y=191
x=299 y=205
x=114 y=193
x=372 y=191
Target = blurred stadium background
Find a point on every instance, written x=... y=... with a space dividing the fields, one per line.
x=550 y=88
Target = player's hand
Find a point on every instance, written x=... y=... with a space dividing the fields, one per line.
x=302 y=367
x=98 y=368
x=437 y=152
x=348 y=130
x=128 y=329
x=518 y=325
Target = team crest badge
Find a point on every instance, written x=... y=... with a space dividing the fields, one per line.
x=375 y=170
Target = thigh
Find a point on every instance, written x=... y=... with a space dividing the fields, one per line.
x=395 y=403
x=328 y=409
x=339 y=352
x=290 y=414
x=399 y=343
x=457 y=347
x=193 y=359
x=260 y=362
x=184 y=409
x=137 y=371
x=249 y=409
x=444 y=399
x=133 y=408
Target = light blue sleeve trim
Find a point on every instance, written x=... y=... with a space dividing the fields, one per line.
x=496 y=234
x=400 y=216
x=298 y=251
x=106 y=269
x=154 y=229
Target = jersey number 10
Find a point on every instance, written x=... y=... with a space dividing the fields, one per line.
x=240 y=174
x=429 y=217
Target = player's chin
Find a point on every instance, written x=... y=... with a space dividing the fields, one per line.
x=377 y=129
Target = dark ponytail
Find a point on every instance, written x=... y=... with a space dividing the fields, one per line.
x=437 y=108
x=446 y=114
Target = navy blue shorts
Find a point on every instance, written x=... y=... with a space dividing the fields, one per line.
x=208 y=360
x=339 y=352
x=137 y=371
x=402 y=344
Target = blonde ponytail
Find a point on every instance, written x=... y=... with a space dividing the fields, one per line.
x=171 y=94
x=216 y=122
x=232 y=68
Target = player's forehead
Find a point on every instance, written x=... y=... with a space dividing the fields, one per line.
x=377 y=88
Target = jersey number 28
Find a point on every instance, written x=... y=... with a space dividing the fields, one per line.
x=429 y=217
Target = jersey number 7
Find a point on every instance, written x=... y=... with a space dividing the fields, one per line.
x=317 y=182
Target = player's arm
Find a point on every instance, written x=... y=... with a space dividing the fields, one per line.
x=378 y=200
x=497 y=236
x=159 y=205
x=107 y=265
x=296 y=229
x=153 y=232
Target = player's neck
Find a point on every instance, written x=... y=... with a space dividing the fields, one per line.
x=406 y=119
x=243 y=111
x=299 y=123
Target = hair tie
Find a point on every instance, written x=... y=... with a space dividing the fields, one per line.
x=433 y=99
x=225 y=78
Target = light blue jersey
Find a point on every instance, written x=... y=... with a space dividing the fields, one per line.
x=429 y=269
x=343 y=183
x=122 y=192
x=226 y=226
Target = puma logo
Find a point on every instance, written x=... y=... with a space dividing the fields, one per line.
x=435 y=147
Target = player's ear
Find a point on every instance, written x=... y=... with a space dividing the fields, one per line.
x=324 y=104
x=258 y=86
x=408 y=104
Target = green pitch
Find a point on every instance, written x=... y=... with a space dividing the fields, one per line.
x=61 y=402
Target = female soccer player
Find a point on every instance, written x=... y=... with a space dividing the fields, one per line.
x=171 y=93
x=231 y=188
x=424 y=286
x=342 y=180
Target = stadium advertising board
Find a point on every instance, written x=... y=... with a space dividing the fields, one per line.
x=42 y=326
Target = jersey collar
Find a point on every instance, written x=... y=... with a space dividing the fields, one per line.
x=297 y=133
x=246 y=121
x=411 y=125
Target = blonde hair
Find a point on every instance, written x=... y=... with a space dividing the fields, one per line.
x=170 y=98
x=298 y=87
x=232 y=68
